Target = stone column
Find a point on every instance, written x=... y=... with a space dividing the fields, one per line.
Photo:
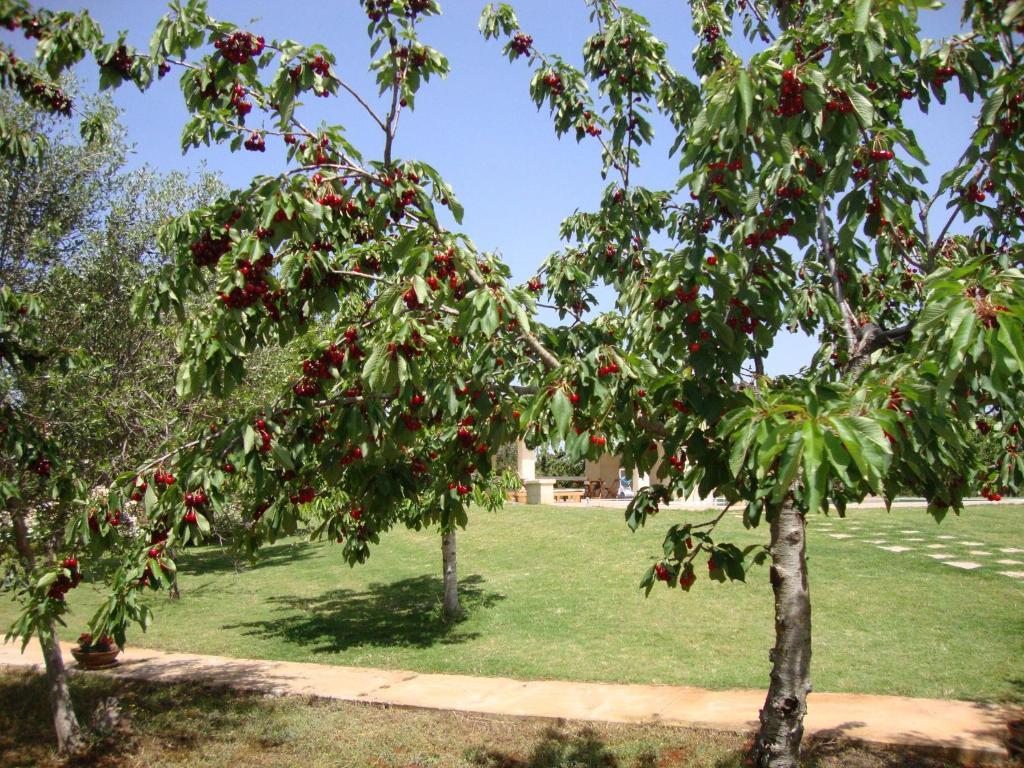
x=526 y=462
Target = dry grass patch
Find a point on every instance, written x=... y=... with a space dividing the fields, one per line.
x=188 y=726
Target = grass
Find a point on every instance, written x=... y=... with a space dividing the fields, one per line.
x=191 y=726
x=552 y=593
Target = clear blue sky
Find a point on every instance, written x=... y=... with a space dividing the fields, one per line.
x=478 y=127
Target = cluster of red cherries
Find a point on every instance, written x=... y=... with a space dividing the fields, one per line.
x=791 y=99
x=239 y=47
x=521 y=44
x=65 y=581
x=207 y=250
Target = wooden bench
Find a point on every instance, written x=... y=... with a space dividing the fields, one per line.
x=568 y=494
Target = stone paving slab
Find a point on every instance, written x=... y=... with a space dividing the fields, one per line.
x=961 y=730
x=966 y=565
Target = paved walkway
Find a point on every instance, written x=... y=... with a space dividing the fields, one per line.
x=871 y=502
x=957 y=729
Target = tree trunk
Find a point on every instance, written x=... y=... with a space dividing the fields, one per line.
x=173 y=593
x=65 y=724
x=452 y=609
x=782 y=718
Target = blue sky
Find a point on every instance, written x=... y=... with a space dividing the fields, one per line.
x=478 y=127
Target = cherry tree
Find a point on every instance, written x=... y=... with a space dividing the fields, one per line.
x=411 y=340
x=803 y=202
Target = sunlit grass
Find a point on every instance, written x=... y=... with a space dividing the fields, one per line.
x=552 y=593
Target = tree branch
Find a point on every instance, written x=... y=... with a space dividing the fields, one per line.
x=849 y=321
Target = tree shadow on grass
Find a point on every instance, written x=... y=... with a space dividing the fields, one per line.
x=212 y=560
x=181 y=716
x=1016 y=693
x=559 y=748
x=400 y=614
x=834 y=749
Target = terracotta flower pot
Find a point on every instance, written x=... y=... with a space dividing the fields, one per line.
x=96 y=659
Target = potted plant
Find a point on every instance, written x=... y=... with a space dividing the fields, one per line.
x=95 y=654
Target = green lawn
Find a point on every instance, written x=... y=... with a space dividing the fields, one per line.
x=552 y=593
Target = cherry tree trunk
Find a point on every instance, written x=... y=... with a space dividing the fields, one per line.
x=452 y=609
x=782 y=717
x=65 y=724
x=174 y=593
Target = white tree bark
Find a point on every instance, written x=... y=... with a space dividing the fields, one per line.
x=452 y=608
x=65 y=724
x=782 y=718
x=174 y=593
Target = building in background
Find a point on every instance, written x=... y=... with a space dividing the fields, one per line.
x=601 y=479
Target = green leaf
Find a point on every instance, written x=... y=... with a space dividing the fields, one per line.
x=282 y=455
x=815 y=470
x=1012 y=12
x=746 y=90
x=46 y=580
x=741 y=447
x=375 y=369
x=150 y=498
x=522 y=318
x=1011 y=339
x=789 y=465
x=561 y=411
x=404 y=245
x=960 y=343
x=248 y=438
x=863 y=108
x=202 y=523
x=861 y=14
x=867 y=446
